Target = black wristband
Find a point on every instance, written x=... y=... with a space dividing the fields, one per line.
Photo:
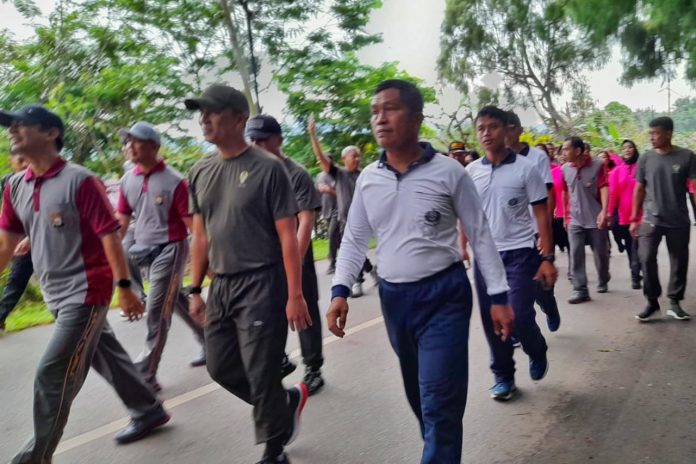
x=123 y=283
x=550 y=258
x=195 y=291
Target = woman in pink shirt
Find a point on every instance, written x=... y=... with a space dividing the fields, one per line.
x=621 y=184
x=560 y=235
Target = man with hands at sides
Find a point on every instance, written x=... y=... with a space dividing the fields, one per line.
x=77 y=254
x=245 y=230
x=424 y=290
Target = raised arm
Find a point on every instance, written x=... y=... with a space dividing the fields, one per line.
x=323 y=160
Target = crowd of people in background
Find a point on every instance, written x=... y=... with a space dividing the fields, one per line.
x=244 y=217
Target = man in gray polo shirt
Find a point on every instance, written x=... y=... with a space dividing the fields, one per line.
x=586 y=196
x=425 y=293
x=508 y=185
x=345 y=187
x=245 y=232
x=77 y=255
x=156 y=196
x=661 y=189
x=265 y=132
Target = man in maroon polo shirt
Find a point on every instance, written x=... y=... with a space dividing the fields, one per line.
x=156 y=196
x=77 y=256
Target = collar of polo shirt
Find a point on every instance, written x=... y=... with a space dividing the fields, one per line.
x=427 y=155
x=52 y=171
x=509 y=159
x=158 y=167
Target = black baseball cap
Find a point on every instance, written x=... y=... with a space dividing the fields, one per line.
x=219 y=97
x=262 y=127
x=35 y=115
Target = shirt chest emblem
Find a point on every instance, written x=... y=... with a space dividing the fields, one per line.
x=513 y=202
x=676 y=168
x=57 y=220
x=243 y=176
x=433 y=217
x=159 y=199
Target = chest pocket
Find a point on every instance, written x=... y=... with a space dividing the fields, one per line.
x=433 y=213
x=513 y=200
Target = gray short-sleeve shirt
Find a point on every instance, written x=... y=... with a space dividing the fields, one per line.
x=665 y=178
x=583 y=184
x=328 y=201
x=240 y=199
x=345 y=187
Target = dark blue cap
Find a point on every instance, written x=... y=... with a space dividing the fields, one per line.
x=35 y=115
x=262 y=127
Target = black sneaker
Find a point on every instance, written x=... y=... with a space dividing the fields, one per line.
x=577 y=298
x=282 y=459
x=677 y=312
x=140 y=428
x=297 y=399
x=313 y=380
x=649 y=310
x=288 y=367
x=635 y=284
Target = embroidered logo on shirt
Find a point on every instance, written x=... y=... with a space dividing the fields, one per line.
x=432 y=217
x=159 y=199
x=675 y=168
x=513 y=201
x=57 y=220
x=243 y=176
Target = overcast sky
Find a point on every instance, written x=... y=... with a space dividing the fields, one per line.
x=411 y=30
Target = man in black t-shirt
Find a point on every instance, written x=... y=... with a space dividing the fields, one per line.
x=660 y=192
x=245 y=232
x=265 y=132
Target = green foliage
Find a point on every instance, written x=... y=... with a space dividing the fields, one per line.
x=530 y=43
x=654 y=34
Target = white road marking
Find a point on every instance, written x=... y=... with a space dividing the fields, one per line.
x=115 y=426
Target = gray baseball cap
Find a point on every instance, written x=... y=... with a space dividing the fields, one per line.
x=219 y=97
x=141 y=131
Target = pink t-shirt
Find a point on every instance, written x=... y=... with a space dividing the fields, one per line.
x=557 y=176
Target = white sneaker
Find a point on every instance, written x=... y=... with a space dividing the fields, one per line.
x=357 y=290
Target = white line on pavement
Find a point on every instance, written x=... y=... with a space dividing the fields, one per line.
x=115 y=426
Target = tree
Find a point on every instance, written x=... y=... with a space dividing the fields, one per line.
x=655 y=35
x=530 y=43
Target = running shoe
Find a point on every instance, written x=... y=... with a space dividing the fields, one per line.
x=649 y=310
x=677 y=312
x=538 y=368
x=313 y=380
x=503 y=391
x=297 y=399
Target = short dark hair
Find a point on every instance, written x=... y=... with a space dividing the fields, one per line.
x=473 y=153
x=576 y=142
x=663 y=122
x=408 y=92
x=513 y=119
x=542 y=146
x=492 y=112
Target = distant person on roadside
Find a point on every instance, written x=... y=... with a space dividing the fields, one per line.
x=660 y=193
x=622 y=182
x=586 y=198
x=345 y=178
x=326 y=186
x=21 y=268
x=457 y=150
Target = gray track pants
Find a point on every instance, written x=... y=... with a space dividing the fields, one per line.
x=600 y=247
x=165 y=272
x=82 y=337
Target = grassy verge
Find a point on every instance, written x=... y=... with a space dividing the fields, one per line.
x=33 y=313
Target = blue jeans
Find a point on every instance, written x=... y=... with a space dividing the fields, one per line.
x=520 y=267
x=428 y=327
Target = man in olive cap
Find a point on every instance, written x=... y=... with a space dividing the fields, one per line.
x=457 y=150
x=244 y=231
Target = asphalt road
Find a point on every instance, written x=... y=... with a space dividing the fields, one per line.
x=617 y=391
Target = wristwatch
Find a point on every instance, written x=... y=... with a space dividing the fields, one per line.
x=123 y=283
x=550 y=258
x=195 y=291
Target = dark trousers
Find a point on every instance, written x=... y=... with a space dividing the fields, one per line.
x=82 y=337
x=311 y=342
x=520 y=267
x=678 y=248
x=428 y=327
x=334 y=233
x=624 y=237
x=21 y=270
x=245 y=340
x=560 y=235
x=599 y=239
